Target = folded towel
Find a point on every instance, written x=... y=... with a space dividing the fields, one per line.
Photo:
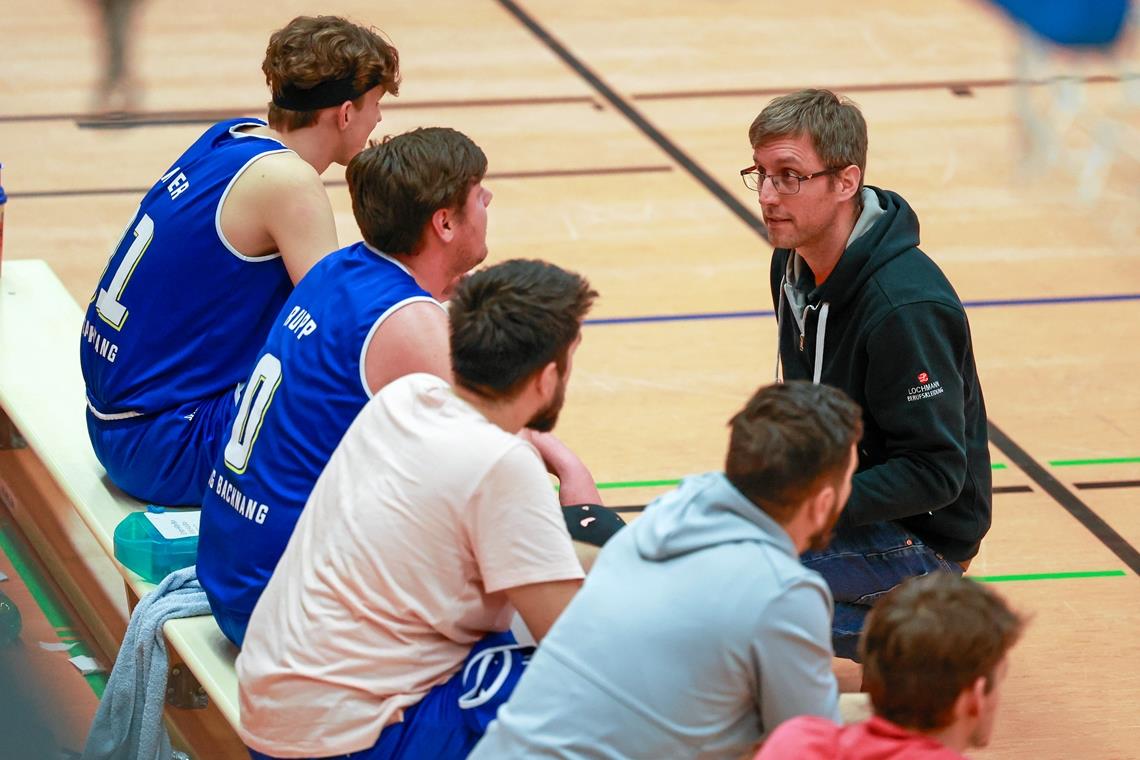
x=128 y=724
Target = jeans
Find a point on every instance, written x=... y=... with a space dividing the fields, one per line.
x=863 y=563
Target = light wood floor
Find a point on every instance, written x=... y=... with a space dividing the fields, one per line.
x=580 y=181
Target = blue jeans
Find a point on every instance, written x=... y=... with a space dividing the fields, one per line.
x=863 y=563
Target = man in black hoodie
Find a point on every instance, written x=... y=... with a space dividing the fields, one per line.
x=860 y=307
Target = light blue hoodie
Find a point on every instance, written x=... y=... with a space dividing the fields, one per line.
x=696 y=633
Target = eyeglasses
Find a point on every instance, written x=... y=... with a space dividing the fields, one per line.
x=786 y=183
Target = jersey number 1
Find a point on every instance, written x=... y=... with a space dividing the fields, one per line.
x=254 y=401
x=107 y=303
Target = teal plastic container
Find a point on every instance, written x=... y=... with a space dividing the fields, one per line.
x=152 y=550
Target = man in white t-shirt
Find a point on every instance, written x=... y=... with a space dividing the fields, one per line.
x=383 y=632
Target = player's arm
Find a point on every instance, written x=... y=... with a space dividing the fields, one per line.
x=520 y=541
x=280 y=205
x=575 y=483
x=540 y=604
x=414 y=338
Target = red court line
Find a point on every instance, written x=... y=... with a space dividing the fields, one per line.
x=961 y=86
x=600 y=171
x=195 y=116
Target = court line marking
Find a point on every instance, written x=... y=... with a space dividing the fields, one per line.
x=179 y=117
x=698 y=173
x=1092 y=522
x=52 y=609
x=664 y=483
x=769 y=313
x=955 y=87
x=594 y=171
x=1084 y=462
x=1098 y=485
x=1048 y=576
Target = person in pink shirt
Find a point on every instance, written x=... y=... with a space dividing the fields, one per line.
x=383 y=632
x=935 y=653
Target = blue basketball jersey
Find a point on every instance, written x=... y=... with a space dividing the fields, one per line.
x=305 y=390
x=179 y=314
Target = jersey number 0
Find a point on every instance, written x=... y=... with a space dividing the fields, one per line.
x=254 y=402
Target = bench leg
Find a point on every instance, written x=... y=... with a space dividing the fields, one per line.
x=10 y=437
x=184 y=691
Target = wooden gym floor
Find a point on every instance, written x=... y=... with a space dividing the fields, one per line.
x=615 y=131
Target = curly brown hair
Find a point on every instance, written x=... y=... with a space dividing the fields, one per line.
x=314 y=49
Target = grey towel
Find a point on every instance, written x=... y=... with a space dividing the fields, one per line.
x=128 y=724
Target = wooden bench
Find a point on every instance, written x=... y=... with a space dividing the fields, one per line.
x=62 y=499
x=42 y=393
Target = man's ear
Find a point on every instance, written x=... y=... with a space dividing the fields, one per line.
x=848 y=180
x=820 y=506
x=343 y=115
x=547 y=380
x=971 y=701
x=443 y=224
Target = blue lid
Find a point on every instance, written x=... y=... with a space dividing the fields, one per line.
x=155 y=509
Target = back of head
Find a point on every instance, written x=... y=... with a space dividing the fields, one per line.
x=789 y=440
x=397 y=184
x=318 y=50
x=930 y=639
x=512 y=319
x=834 y=124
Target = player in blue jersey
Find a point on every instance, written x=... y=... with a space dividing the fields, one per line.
x=364 y=316
x=205 y=264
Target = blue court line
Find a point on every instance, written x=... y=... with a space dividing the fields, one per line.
x=769 y=313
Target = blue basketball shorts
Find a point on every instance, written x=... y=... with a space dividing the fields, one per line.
x=164 y=458
x=451 y=718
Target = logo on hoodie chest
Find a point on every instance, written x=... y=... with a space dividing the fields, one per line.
x=926 y=388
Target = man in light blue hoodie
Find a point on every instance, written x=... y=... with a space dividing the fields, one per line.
x=698 y=630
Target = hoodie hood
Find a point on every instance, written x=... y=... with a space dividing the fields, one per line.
x=886 y=233
x=704 y=511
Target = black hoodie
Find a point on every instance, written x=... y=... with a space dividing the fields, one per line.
x=896 y=339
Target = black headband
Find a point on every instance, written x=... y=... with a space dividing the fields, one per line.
x=322 y=95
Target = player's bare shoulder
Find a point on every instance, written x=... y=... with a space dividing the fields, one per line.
x=276 y=185
x=275 y=173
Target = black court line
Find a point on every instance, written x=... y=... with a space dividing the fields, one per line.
x=1066 y=498
x=634 y=508
x=1105 y=484
x=1012 y=489
x=957 y=87
x=600 y=171
x=639 y=121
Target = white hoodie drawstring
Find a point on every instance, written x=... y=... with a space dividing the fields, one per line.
x=779 y=325
x=820 y=336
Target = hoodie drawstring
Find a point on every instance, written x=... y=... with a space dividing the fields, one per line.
x=780 y=325
x=820 y=336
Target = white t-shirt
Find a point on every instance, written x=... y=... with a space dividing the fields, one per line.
x=424 y=514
